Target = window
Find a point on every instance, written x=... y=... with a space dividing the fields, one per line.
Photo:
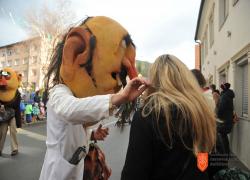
x=241 y=85
x=9 y=63
x=34 y=47
x=16 y=62
x=245 y=90
x=222 y=77
x=9 y=52
x=25 y=73
x=27 y=49
x=210 y=80
x=34 y=72
x=25 y=60
x=3 y=53
x=34 y=59
x=16 y=51
x=223 y=11
x=211 y=30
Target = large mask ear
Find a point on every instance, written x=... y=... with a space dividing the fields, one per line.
x=19 y=78
x=75 y=51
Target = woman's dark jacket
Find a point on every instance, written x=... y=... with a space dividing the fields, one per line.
x=15 y=104
x=225 y=110
x=149 y=158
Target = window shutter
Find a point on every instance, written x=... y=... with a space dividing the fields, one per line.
x=245 y=91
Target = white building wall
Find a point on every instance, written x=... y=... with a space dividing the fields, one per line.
x=224 y=47
x=231 y=42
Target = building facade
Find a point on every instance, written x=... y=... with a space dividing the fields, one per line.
x=24 y=57
x=223 y=33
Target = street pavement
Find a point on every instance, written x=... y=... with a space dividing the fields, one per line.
x=28 y=163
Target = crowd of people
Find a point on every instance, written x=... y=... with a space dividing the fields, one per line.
x=32 y=107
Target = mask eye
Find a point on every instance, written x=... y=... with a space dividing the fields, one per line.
x=7 y=77
x=5 y=74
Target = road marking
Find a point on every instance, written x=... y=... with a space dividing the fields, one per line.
x=31 y=134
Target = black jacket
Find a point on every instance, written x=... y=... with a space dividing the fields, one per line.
x=149 y=158
x=15 y=104
x=225 y=110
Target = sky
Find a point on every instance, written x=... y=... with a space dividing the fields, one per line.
x=156 y=26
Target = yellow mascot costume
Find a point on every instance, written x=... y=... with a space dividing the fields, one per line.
x=10 y=99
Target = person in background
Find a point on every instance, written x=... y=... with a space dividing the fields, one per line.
x=22 y=110
x=45 y=99
x=10 y=97
x=216 y=94
x=206 y=91
x=215 y=154
x=25 y=98
x=35 y=112
x=32 y=95
x=28 y=112
x=42 y=111
x=174 y=125
x=225 y=113
x=37 y=97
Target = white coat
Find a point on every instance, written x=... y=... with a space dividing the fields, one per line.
x=65 y=116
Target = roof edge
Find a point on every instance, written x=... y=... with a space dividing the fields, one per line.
x=18 y=42
x=199 y=19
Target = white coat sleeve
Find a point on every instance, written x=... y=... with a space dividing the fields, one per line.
x=78 y=110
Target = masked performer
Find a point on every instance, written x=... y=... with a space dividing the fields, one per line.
x=10 y=101
x=86 y=73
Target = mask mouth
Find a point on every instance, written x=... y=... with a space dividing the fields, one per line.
x=117 y=78
x=3 y=87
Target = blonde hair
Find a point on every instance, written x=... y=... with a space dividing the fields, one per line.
x=174 y=85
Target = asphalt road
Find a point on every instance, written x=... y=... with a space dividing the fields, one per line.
x=27 y=164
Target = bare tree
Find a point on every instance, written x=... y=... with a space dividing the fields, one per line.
x=49 y=23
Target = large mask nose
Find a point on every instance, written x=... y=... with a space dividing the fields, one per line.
x=3 y=81
x=132 y=72
x=129 y=64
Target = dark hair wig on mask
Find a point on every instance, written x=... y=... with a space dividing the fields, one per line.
x=54 y=66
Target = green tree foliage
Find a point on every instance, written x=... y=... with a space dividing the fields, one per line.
x=142 y=67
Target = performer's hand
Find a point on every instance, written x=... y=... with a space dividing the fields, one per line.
x=100 y=133
x=132 y=90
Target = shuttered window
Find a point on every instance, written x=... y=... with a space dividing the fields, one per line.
x=245 y=90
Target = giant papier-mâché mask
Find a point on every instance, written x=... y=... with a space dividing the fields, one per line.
x=97 y=56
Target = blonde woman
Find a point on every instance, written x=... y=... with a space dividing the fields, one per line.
x=174 y=125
